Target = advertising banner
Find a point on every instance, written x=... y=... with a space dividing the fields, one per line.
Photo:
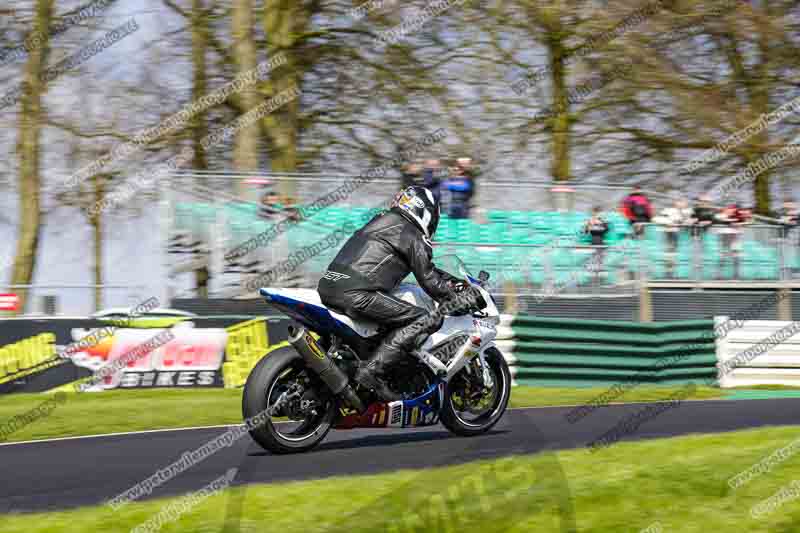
x=9 y=302
x=190 y=357
x=42 y=354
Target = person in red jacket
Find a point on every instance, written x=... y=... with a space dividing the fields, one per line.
x=732 y=218
x=636 y=207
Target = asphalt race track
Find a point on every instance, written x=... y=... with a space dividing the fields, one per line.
x=60 y=474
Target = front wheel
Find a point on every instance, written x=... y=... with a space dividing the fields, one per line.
x=470 y=408
x=282 y=385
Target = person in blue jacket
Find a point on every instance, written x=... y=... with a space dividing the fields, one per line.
x=458 y=189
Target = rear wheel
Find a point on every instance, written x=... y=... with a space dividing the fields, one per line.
x=282 y=385
x=470 y=408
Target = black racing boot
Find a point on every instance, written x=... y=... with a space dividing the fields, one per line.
x=393 y=348
x=371 y=375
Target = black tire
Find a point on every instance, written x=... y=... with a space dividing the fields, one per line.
x=254 y=401
x=452 y=421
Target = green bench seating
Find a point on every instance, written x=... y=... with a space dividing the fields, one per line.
x=472 y=241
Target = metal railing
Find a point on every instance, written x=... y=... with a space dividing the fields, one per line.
x=549 y=270
x=743 y=253
x=759 y=253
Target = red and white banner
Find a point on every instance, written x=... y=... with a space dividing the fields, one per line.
x=9 y=302
x=191 y=352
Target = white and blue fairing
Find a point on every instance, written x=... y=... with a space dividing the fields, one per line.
x=305 y=306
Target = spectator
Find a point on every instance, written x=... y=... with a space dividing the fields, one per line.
x=430 y=177
x=704 y=215
x=732 y=218
x=745 y=215
x=674 y=219
x=412 y=175
x=597 y=228
x=270 y=205
x=636 y=207
x=291 y=208
x=789 y=217
x=468 y=167
x=458 y=189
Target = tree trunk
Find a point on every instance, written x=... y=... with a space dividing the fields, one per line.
x=760 y=90
x=200 y=120
x=561 y=125
x=98 y=191
x=284 y=21
x=245 y=152
x=28 y=150
x=199 y=82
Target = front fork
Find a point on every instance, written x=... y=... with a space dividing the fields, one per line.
x=481 y=368
x=461 y=361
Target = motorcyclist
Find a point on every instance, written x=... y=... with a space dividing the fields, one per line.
x=360 y=279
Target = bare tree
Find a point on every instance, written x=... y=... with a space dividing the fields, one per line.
x=28 y=153
x=200 y=33
x=702 y=73
x=245 y=152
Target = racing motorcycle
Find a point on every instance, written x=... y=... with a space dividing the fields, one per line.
x=457 y=377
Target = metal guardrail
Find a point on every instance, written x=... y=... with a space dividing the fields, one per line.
x=550 y=269
x=744 y=253
x=541 y=269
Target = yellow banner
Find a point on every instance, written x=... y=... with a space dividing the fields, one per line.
x=19 y=357
x=247 y=343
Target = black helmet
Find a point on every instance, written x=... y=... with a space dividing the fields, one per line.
x=419 y=206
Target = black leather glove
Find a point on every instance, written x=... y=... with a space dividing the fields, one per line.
x=465 y=300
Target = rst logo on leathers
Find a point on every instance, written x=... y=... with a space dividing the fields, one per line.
x=334 y=276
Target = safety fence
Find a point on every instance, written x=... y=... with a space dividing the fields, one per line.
x=573 y=352
x=205 y=215
x=529 y=236
x=752 y=252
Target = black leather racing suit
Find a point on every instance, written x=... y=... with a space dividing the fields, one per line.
x=371 y=264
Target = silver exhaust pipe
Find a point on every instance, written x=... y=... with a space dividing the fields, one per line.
x=315 y=358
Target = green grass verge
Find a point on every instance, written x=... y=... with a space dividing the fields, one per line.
x=544 y=396
x=124 y=410
x=137 y=410
x=679 y=483
x=767 y=388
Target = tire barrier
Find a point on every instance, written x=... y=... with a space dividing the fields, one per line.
x=761 y=352
x=571 y=352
